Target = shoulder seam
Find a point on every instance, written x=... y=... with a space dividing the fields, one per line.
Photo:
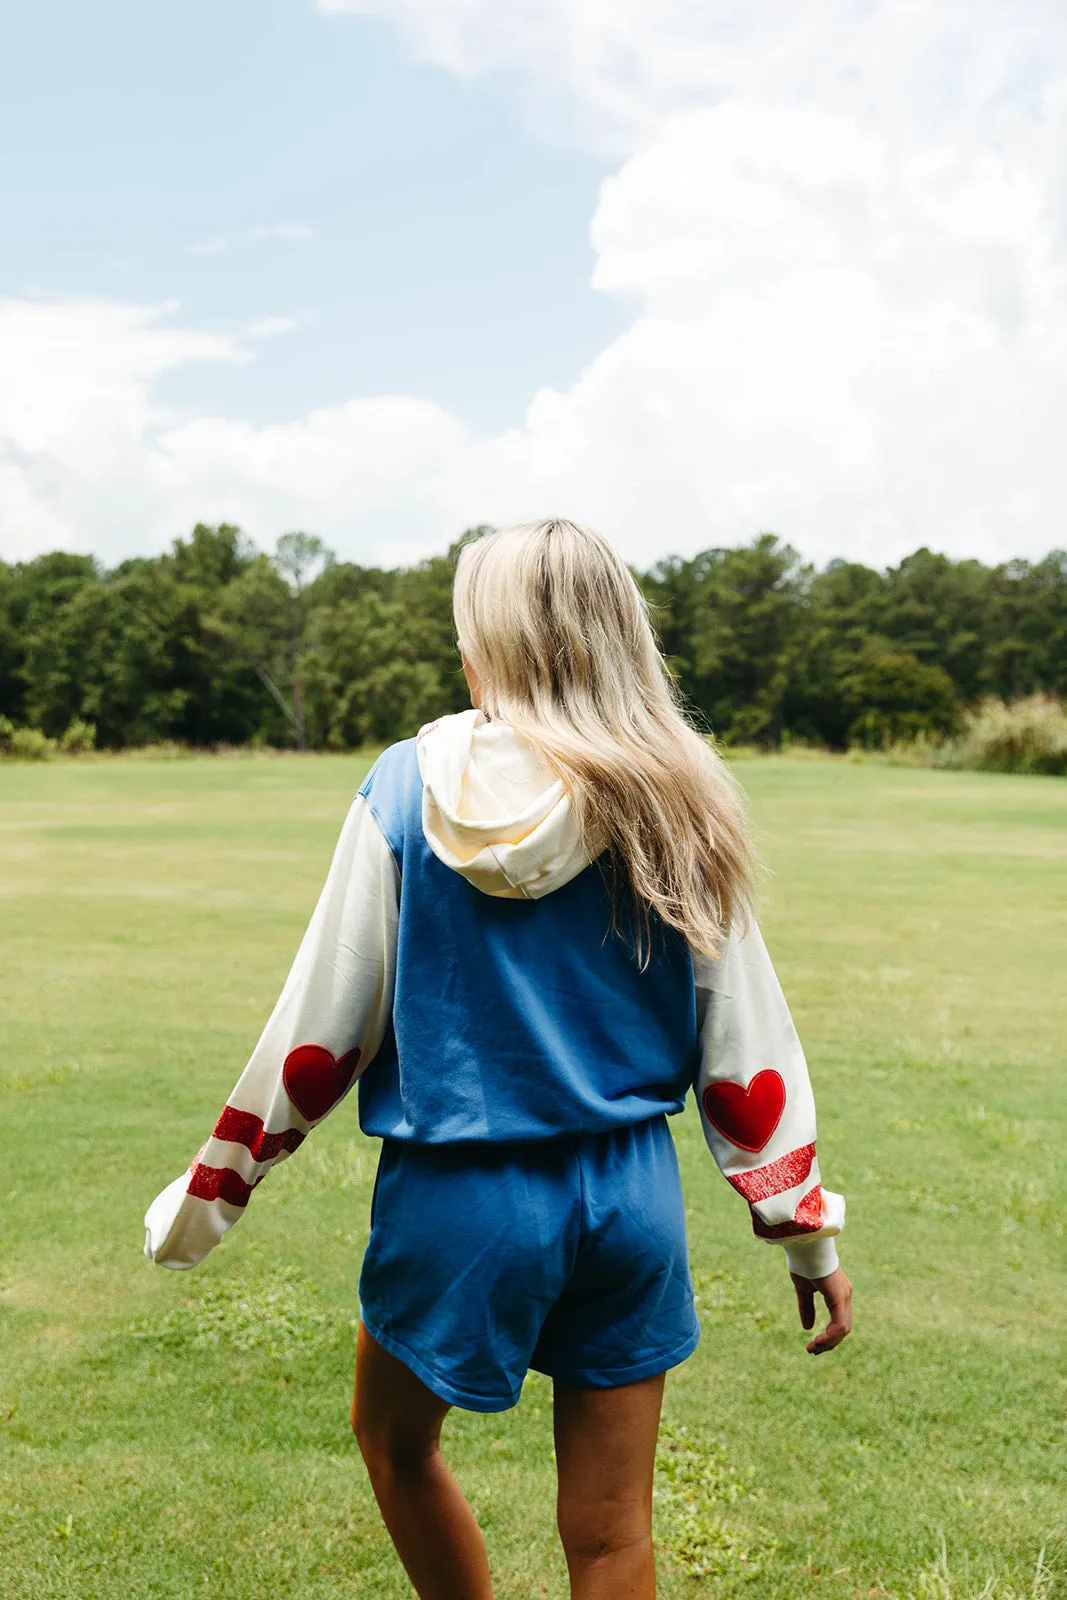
x=372 y=808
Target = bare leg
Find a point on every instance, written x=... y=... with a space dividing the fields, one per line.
x=605 y=1456
x=397 y=1422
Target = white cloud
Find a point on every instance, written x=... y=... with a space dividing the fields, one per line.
x=298 y=232
x=79 y=465
x=364 y=473
x=292 y=232
x=89 y=460
x=271 y=327
x=849 y=324
x=613 y=70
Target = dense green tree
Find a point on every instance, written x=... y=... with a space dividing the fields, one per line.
x=216 y=642
x=934 y=608
x=12 y=651
x=840 y=610
x=730 y=622
x=263 y=615
x=114 y=655
x=32 y=593
x=425 y=593
x=366 y=679
x=1025 y=628
x=210 y=558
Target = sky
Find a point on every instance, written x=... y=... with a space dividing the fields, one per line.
x=684 y=269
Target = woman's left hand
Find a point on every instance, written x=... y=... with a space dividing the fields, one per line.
x=837 y=1292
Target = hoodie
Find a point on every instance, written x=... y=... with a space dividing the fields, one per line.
x=461 y=972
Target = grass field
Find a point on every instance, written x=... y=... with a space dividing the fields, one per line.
x=181 y=1435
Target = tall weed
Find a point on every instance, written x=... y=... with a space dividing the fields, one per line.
x=1028 y=735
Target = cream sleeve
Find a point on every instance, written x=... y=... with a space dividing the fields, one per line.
x=325 y=1030
x=756 y=1104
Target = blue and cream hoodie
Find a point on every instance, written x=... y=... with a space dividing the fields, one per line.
x=462 y=970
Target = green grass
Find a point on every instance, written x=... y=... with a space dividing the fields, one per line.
x=178 y=1435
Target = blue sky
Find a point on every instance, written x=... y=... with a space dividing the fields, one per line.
x=448 y=253
x=685 y=269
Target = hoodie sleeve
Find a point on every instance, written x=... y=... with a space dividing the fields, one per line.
x=324 y=1031
x=756 y=1104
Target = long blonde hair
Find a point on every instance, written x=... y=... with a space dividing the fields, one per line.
x=553 y=625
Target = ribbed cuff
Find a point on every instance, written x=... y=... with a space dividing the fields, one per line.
x=812 y=1258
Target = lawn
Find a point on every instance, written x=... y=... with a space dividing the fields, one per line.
x=172 y=1435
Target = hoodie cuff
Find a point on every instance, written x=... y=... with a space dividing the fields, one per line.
x=812 y=1258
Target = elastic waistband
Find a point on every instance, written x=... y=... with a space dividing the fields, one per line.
x=615 y=1130
x=528 y=1152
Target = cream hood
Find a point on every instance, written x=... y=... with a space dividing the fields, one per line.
x=493 y=811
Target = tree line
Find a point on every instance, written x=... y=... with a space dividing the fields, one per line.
x=217 y=642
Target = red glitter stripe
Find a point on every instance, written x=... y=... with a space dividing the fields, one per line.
x=219 y=1183
x=243 y=1127
x=807 y=1218
x=777 y=1176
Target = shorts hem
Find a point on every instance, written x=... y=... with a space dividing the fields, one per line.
x=432 y=1379
x=615 y=1377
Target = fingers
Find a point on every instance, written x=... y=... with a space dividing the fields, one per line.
x=805 y=1300
x=837 y=1292
x=829 y=1339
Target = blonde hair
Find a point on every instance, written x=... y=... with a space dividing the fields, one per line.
x=553 y=625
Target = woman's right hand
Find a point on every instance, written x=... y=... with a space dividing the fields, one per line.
x=837 y=1292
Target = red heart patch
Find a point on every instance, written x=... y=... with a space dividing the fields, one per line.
x=314 y=1081
x=747 y=1117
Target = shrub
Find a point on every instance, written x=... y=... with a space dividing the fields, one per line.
x=78 y=737
x=1028 y=735
x=29 y=744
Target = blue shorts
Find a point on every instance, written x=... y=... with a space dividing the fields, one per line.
x=566 y=1255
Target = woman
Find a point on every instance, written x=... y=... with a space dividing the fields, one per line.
x=534 y=939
